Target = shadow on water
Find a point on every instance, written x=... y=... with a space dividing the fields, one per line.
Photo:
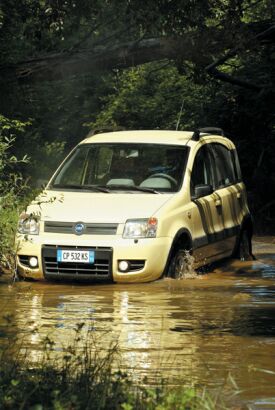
x=247 y=321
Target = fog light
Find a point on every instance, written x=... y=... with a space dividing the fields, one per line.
x=33 y=262
x=123 y=266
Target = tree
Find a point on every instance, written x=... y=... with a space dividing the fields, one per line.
x=82 y=38
x=152 y=96
x=67 y=63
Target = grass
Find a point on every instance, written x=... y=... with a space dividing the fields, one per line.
x=82 y=377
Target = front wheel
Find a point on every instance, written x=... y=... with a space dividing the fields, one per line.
x=181 y=264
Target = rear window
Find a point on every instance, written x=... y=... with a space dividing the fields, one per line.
x=223 y=166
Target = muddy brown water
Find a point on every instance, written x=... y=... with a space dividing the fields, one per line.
x=216 y=330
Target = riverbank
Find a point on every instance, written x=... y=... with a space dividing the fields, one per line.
x=83 y=378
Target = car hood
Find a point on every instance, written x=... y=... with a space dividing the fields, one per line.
x=96 y=207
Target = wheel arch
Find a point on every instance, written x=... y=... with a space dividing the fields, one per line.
x=182 y=239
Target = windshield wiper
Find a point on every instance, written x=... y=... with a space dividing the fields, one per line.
x=96 y=188
x=65 y=186
x=105 y=189
x=133 y=188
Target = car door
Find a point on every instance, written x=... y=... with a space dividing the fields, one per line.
x=229 y=190
x=208 y=223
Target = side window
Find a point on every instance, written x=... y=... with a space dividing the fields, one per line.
x=202 y=171
x=223 y=164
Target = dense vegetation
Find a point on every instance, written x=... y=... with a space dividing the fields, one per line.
x=13 y=189
x=68 y=66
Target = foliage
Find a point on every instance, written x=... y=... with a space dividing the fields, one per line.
x=154 y=95
x=157 y=96
x=12 y=189
x=81 y=377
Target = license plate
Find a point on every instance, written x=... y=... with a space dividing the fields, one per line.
x=75 y=256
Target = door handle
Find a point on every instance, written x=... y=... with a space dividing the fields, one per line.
x=218 y=202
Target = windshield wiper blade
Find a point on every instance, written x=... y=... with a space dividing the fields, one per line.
x=105 y=189
x=146 y=189
x=97 y=188
x=133 y=188
x=66 y=186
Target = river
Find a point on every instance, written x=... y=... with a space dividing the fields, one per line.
x=216 y=330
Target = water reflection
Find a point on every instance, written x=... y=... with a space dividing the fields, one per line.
x=193 y=331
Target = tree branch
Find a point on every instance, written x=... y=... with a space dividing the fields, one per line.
x=214 y=72
x=106 y=54
x=103 y=57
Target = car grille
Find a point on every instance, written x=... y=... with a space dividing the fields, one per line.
x=89 y=228
x=101 y=269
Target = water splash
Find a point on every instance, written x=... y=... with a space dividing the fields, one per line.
x=185 y=269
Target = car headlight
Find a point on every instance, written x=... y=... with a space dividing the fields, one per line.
x=28 y=224
x=140 y=228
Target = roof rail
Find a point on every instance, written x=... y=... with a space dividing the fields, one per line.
x=207 y=130
x=103 y=130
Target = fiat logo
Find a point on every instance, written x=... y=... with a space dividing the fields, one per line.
x=79 y=228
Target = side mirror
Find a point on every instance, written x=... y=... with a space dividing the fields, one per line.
x=202 y=190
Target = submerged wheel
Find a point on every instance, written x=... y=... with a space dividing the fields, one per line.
x=245 y=248
x=181 y=264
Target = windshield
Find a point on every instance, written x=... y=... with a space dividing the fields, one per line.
x=119 y=166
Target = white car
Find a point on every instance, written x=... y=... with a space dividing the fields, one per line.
x=125 y=206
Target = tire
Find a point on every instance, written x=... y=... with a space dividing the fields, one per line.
x=181 y=264
x=244 y=252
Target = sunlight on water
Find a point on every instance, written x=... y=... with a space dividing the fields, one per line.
x=193 y=332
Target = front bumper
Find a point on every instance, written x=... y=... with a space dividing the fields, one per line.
x=148 y=257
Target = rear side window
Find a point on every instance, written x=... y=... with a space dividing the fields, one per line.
x=223 y=166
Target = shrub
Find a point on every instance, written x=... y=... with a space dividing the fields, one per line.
x=13 y=187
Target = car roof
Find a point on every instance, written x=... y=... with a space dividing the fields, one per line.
x=141 y=136
x=155 y=137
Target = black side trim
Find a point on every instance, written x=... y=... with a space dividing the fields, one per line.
x=210 y=238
